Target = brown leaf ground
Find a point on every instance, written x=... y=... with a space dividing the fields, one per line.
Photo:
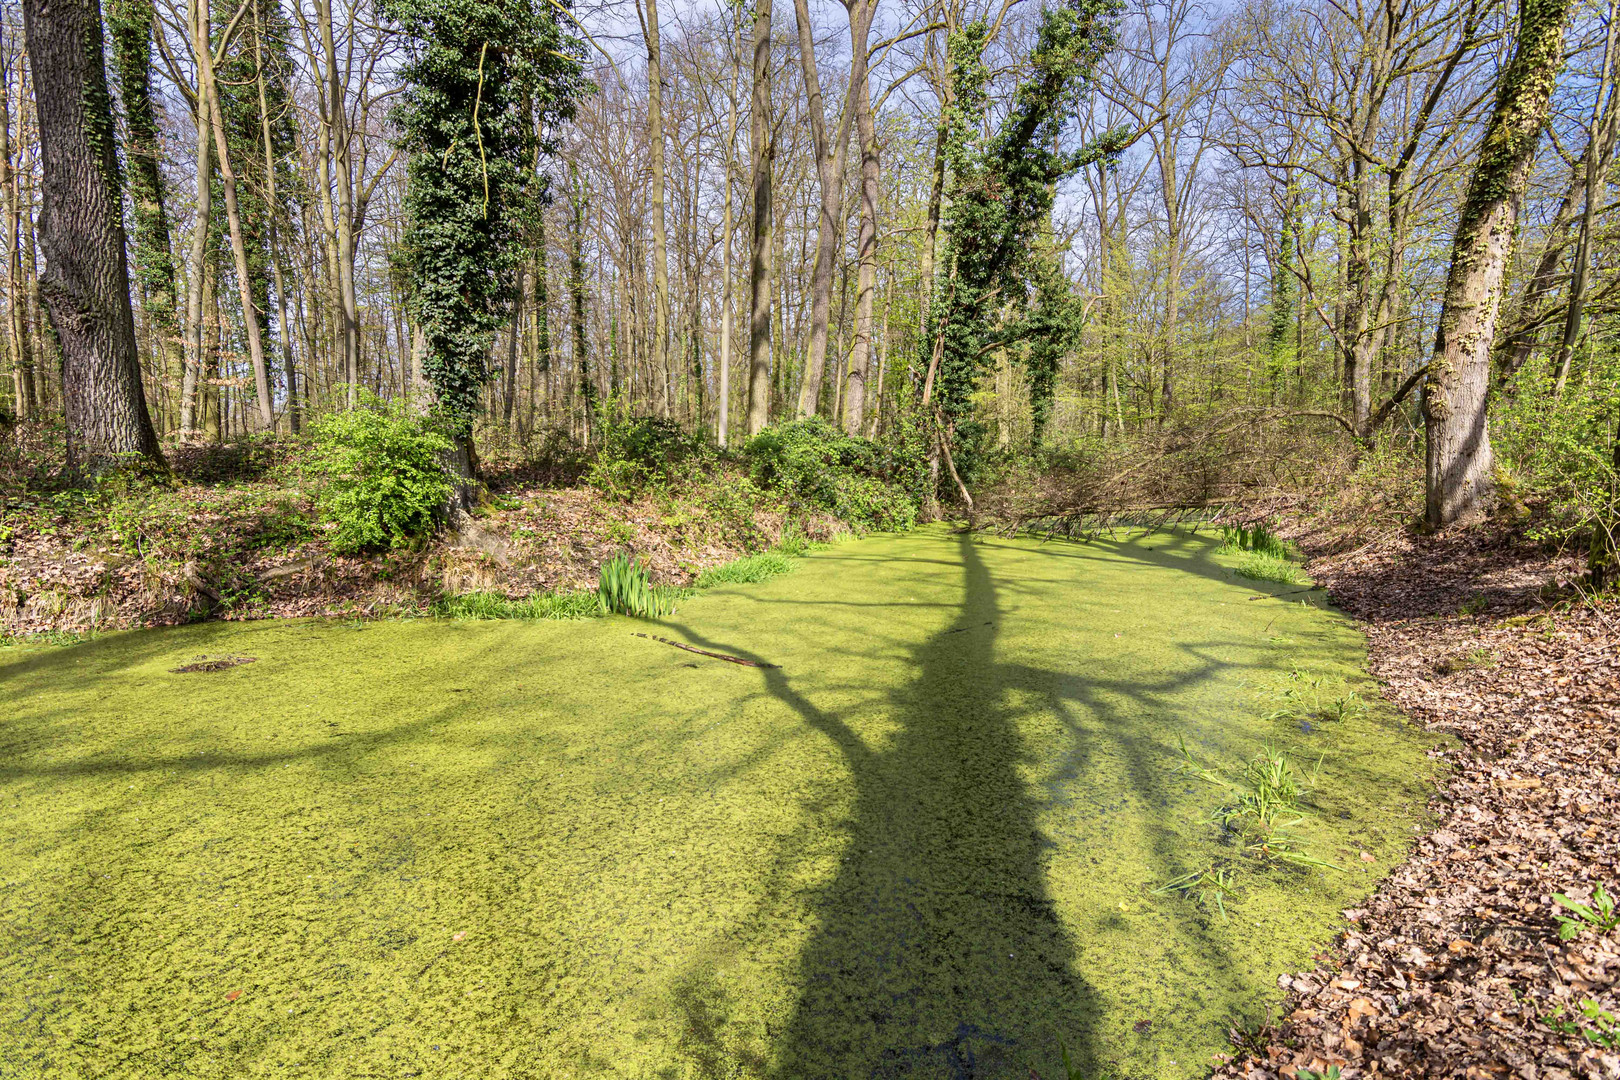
x=1454 y=968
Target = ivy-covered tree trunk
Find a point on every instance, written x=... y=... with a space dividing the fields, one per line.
x=1458 y=484
x=482 y=77
x=81 y=229
x=129 y=25
x=1281 y=356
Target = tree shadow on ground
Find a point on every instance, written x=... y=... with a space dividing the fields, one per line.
x=938 y=950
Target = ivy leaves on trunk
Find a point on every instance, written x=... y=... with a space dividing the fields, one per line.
x=482 y=79
x=1001 y=190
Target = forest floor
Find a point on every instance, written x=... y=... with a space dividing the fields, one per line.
x=1455 y=967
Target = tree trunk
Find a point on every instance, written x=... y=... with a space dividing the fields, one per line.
x=273 y=208
x=655 y=140
x=722 y=421
x=1583 y=247
x=829 y=156
x=336 y=121
x=196 y=311
x=861 y=16
x=762 y=153
x=81 y=229
x=208 y=92
x=576 y=290
x=509 y=387
x=1458 y=467
x=130 y=23
x=18 y=300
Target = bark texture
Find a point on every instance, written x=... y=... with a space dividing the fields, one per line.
x=81 y=230
x=1458 y=483
x=860 y=355
x=763 y=152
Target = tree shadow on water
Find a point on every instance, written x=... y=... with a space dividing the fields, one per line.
x=938 y=951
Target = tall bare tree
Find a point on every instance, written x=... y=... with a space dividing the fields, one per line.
x=762 y=154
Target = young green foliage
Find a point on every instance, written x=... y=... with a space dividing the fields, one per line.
x=1600 y=915
x=382 y=475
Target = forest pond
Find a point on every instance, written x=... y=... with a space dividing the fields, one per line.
x=930 y=841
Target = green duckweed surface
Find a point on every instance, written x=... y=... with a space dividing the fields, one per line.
x=925 y=845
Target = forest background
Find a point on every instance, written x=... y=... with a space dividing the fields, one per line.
x=725 y=217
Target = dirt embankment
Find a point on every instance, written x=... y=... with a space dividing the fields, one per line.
x=253 y=549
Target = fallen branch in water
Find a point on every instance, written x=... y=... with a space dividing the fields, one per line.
x=1296 y=592
x=705 y=652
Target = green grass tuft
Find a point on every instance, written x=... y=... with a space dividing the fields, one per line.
x=1261 y=567
x=625 y=587
x=580 y=604
x=748 y=570
x=492 y=605
x=1258 y=539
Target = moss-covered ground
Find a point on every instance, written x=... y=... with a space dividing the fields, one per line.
x=925 y=845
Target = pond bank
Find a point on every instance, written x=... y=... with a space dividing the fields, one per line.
x=1455 y=967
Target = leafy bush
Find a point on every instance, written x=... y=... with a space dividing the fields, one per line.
x=383 y=481
x=815 y=464
x=1556 y=451
x=625 y=588
x=643 y=452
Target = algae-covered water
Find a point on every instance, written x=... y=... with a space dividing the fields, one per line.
x=925 y=845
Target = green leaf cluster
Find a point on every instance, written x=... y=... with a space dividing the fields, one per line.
x=382 y=474
x=815 y=464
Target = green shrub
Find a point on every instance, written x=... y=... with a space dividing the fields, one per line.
x=814 y=464
x=643 y=452
x=625 y=588
x=1555 y=451
x=383 y=481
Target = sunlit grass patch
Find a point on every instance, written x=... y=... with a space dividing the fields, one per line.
x=748 y=570
x=1259 y=566
x=576 y=604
